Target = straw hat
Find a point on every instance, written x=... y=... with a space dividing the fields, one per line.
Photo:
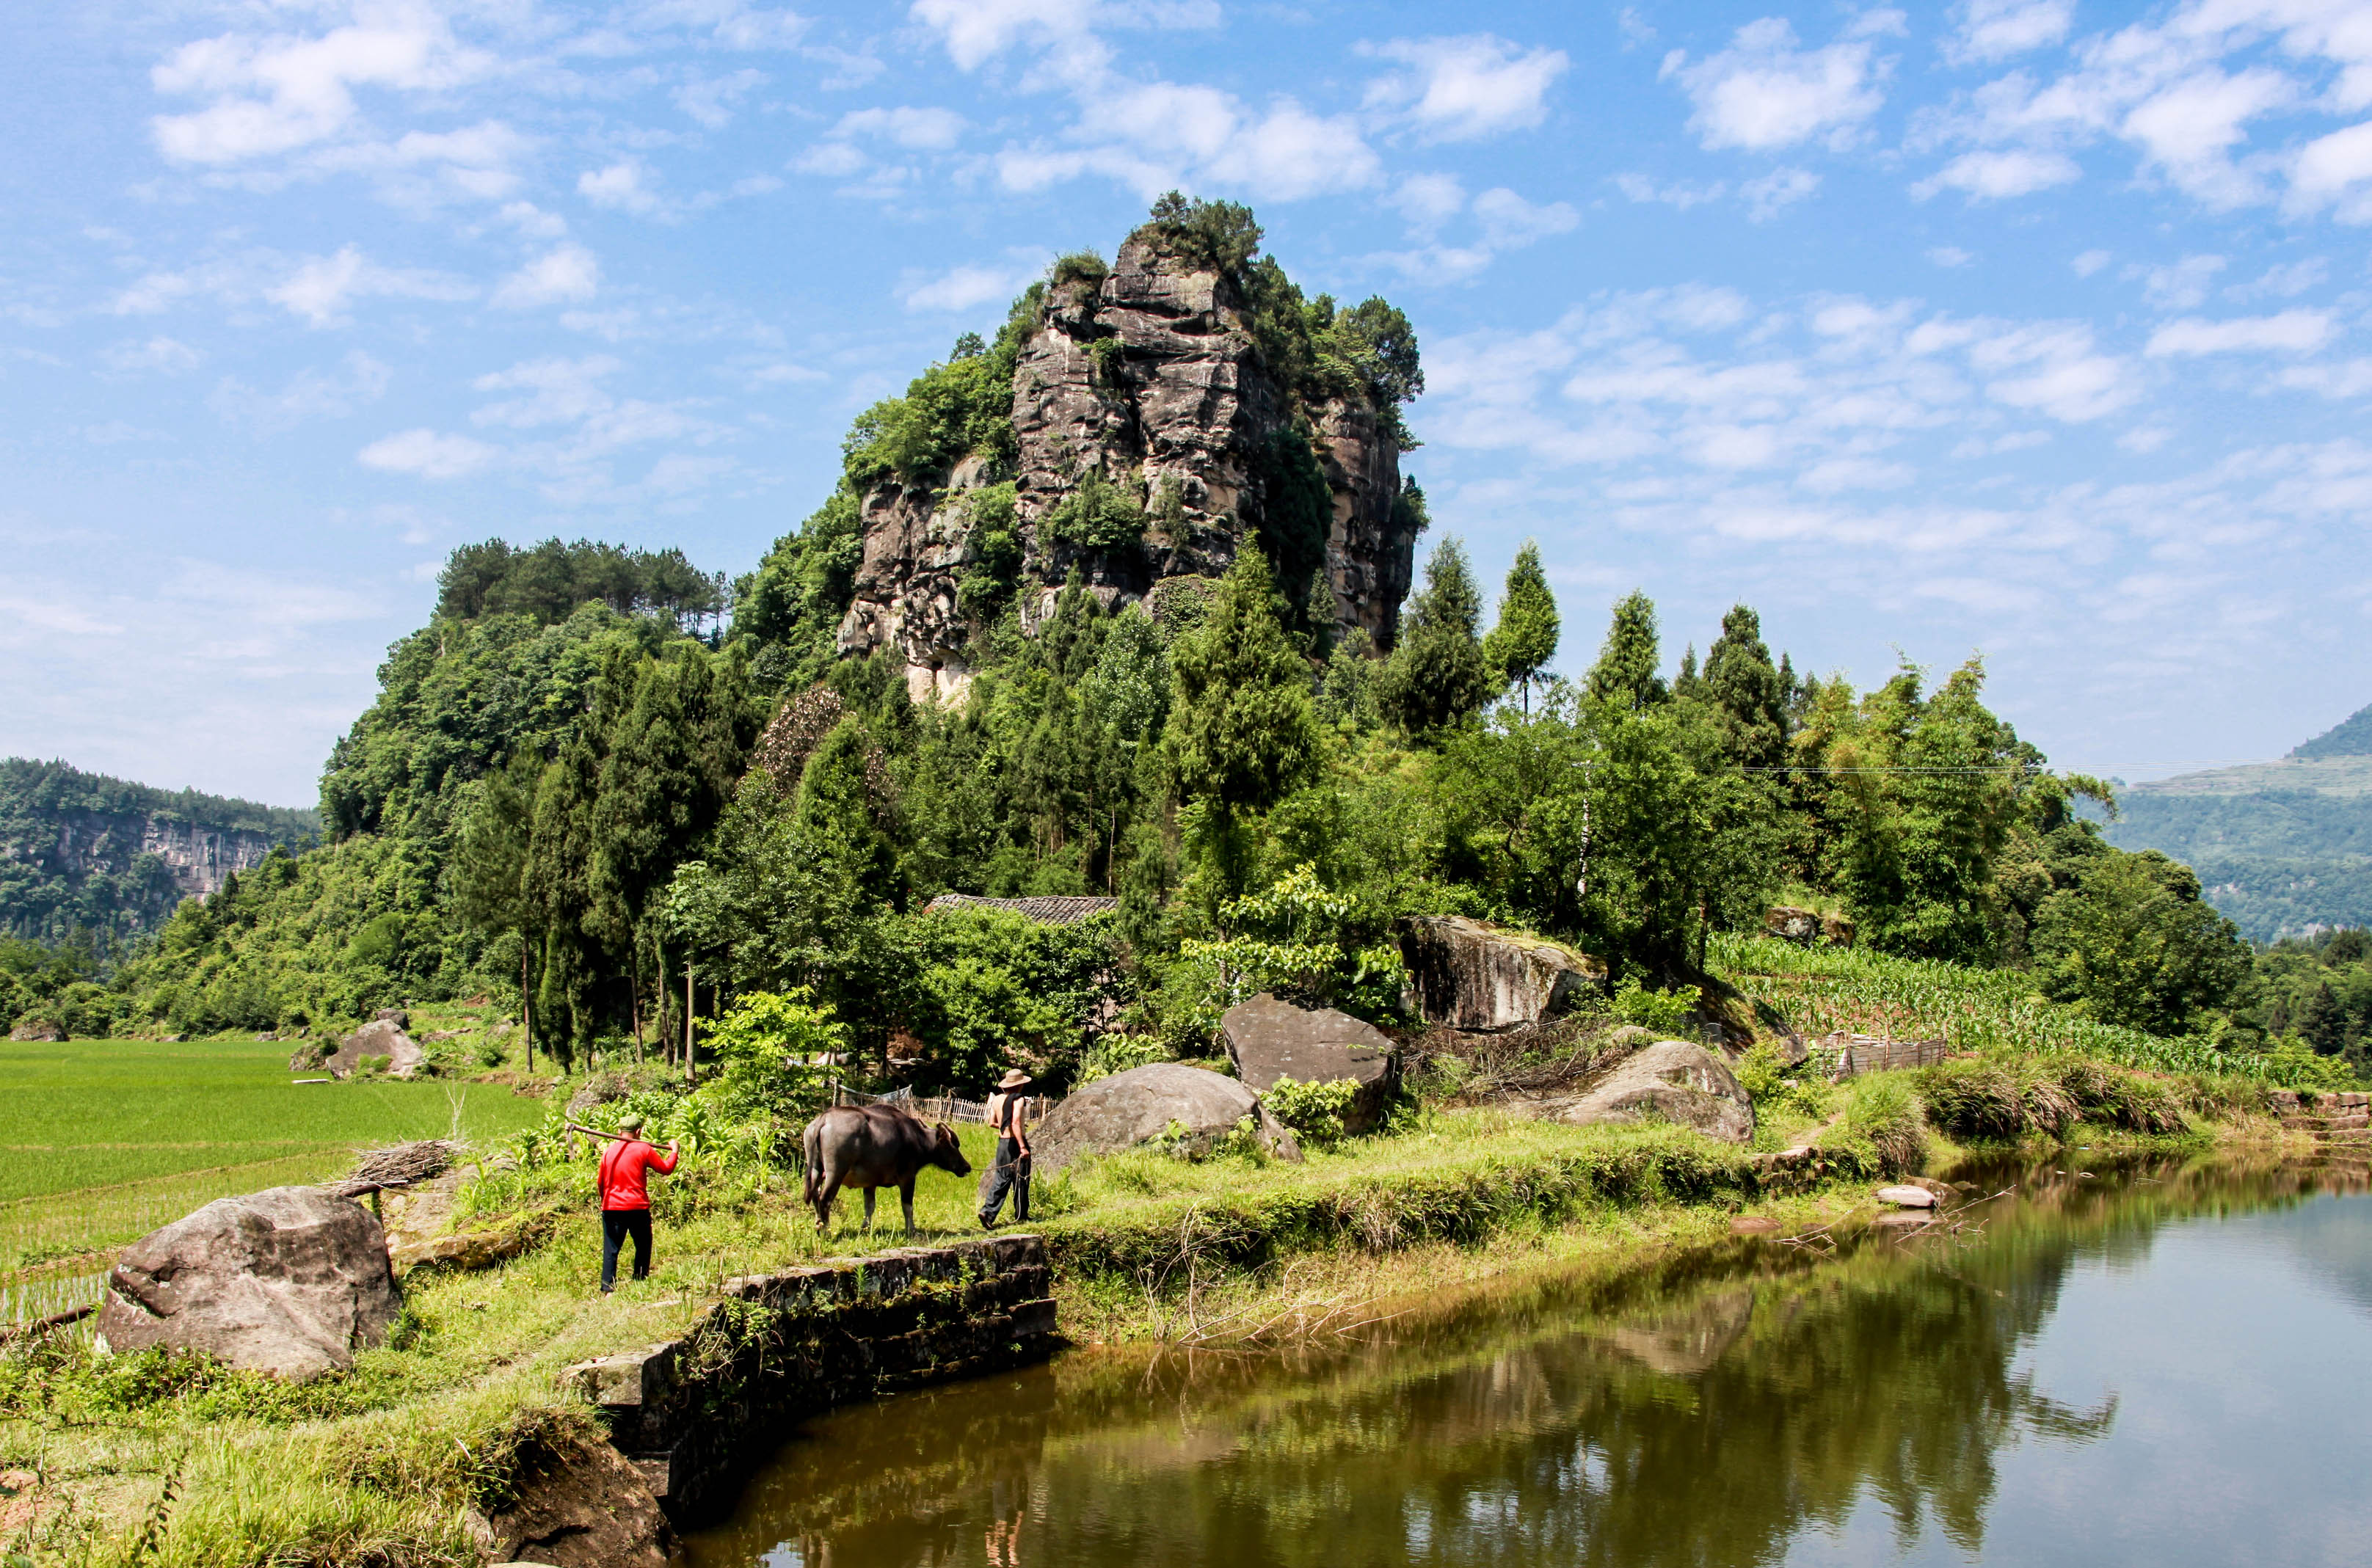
x=1013 y=1079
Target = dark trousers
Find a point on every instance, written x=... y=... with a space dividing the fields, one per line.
x=616 y=1226
x=1009 y=1174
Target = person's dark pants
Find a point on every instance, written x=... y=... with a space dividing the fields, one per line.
x=616 y=1226
x=1010 y=1174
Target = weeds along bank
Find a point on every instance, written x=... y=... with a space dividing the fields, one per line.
x=465 y=1406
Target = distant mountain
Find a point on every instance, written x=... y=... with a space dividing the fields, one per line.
x=2353 y=738
x=2284 y=848
x=83 y=849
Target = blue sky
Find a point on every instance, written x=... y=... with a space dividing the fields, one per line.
x=2031 y=327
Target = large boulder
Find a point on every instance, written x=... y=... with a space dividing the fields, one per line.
x=381 y=1037
x=1681 y=1083
x=1269 y=1039
x=1138 y=1106
x=290 y=1281
x=37 y=1029
x=1473 y=975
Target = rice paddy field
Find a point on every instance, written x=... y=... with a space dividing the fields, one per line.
x=101 y=1141
x=1820 y=991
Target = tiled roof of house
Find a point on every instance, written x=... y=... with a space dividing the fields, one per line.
x=1046 y=910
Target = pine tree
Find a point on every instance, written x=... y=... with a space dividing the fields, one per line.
x=489 y=870
x=1625 y=676
x=1437 y=676
x=1520 y=646
x=560 y=856
x=1750 y=694
x=1241 y=734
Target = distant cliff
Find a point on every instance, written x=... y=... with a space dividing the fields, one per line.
x=112 y=857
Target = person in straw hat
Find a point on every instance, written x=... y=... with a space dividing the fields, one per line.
x=626 y=1197
x=1008 y=1117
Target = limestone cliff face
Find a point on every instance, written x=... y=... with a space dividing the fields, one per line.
x=1151 y=381
x=93 y=842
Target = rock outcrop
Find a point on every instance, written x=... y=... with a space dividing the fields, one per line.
x=1150 y=381
x=1681 y=1082
x=382 y=1037
x=1137 y=1106
x=1475 y=976
x=289 y=1281
x=1269 y=1039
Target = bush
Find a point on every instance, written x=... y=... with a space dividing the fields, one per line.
x=1766 y=1081
x=1884 y=1113
x=1307 y=943
x=1635 y=1003
x=1314 y=1111
x=1117 y=1053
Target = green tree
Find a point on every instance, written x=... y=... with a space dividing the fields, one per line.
x=1437 y=677
x=1241 y=733
x=1625 y=676
x=560 y=857
x=1743 y=683
x=489 y=870
x=2134 y=943
x=1525 y=638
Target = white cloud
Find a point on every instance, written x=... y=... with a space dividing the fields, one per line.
x=1996 y=30
x=2190 y=128
x=158 y=355
x=1509 y=221
x=2291 y=331
x=2180 y=286
x=2055 y=368
x=1677 y=193
x=566 y=273
x=559 y=391
x=321 y=287
x=968 y=287
x=711 y=101
x=2350 y=379
x=274 y=94
x=1949 y=256
x=427 y=455
x=1765 y=92
x=1998 y=176
x=1767 y=196
x=976 y=32
x=308 y=395
x=1461 y=89
x=1428 y=200
x=2090 y=261
x=622 y=187
x=2332 y=171
x=2286 y=281
x=934 y=130
x=833 y=160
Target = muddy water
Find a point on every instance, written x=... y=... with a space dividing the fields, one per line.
x=2162 y=1364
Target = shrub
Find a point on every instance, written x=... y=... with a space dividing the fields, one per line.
x=1766 y=1081
x=1313 y=1110
x=1635 y=1003
x=1117 y=1053
x=1305 y=943
x=1884 y=1112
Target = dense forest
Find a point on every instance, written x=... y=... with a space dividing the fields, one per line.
x=571 y=805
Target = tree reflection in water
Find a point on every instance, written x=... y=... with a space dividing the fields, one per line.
x=1703 y=1412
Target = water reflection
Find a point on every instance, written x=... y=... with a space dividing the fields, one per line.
x=1716 y=1409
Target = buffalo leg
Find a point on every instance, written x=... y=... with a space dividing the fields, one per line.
x=868 y=1206
x=906 y=1196
x=830 y=1191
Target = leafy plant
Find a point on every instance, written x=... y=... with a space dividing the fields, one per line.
x=1313 y=1110
x=1307 y=943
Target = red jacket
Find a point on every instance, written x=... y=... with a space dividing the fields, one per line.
x=622 y=1173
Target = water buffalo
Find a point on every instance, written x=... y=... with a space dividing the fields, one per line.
x=874 y=1147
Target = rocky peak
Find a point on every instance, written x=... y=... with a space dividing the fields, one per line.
x=1152 y=435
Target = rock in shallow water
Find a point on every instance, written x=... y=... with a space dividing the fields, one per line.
x=1907 y=1196
x=289 y=1281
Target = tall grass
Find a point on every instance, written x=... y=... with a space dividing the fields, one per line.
x=1822 y=989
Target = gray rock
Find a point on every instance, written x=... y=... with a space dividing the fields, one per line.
x=381 y=1037
x=1153 y=379
x=395 y=1015
x=1906 y=1197
x=598 y=1089
x=1138 y=1106
x=1269 y=1039
x=1684 y=1083
x=290 y=1281
x=1473 y=975
x=1791 y=923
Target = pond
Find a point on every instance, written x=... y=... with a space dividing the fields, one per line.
x=2162 y=1362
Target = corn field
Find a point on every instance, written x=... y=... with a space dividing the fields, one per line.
x=1822 y=989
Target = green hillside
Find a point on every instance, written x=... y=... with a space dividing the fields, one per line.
x=2283 y=848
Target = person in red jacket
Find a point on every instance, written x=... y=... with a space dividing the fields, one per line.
x=626 y=1198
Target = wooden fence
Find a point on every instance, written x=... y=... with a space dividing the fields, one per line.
x=1856 y=1054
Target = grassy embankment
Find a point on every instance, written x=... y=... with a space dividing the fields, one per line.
x=380 y=1464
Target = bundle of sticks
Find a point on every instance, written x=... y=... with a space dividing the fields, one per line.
x=375 y=1170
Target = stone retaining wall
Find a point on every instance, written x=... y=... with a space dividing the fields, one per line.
x=694 y=1415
